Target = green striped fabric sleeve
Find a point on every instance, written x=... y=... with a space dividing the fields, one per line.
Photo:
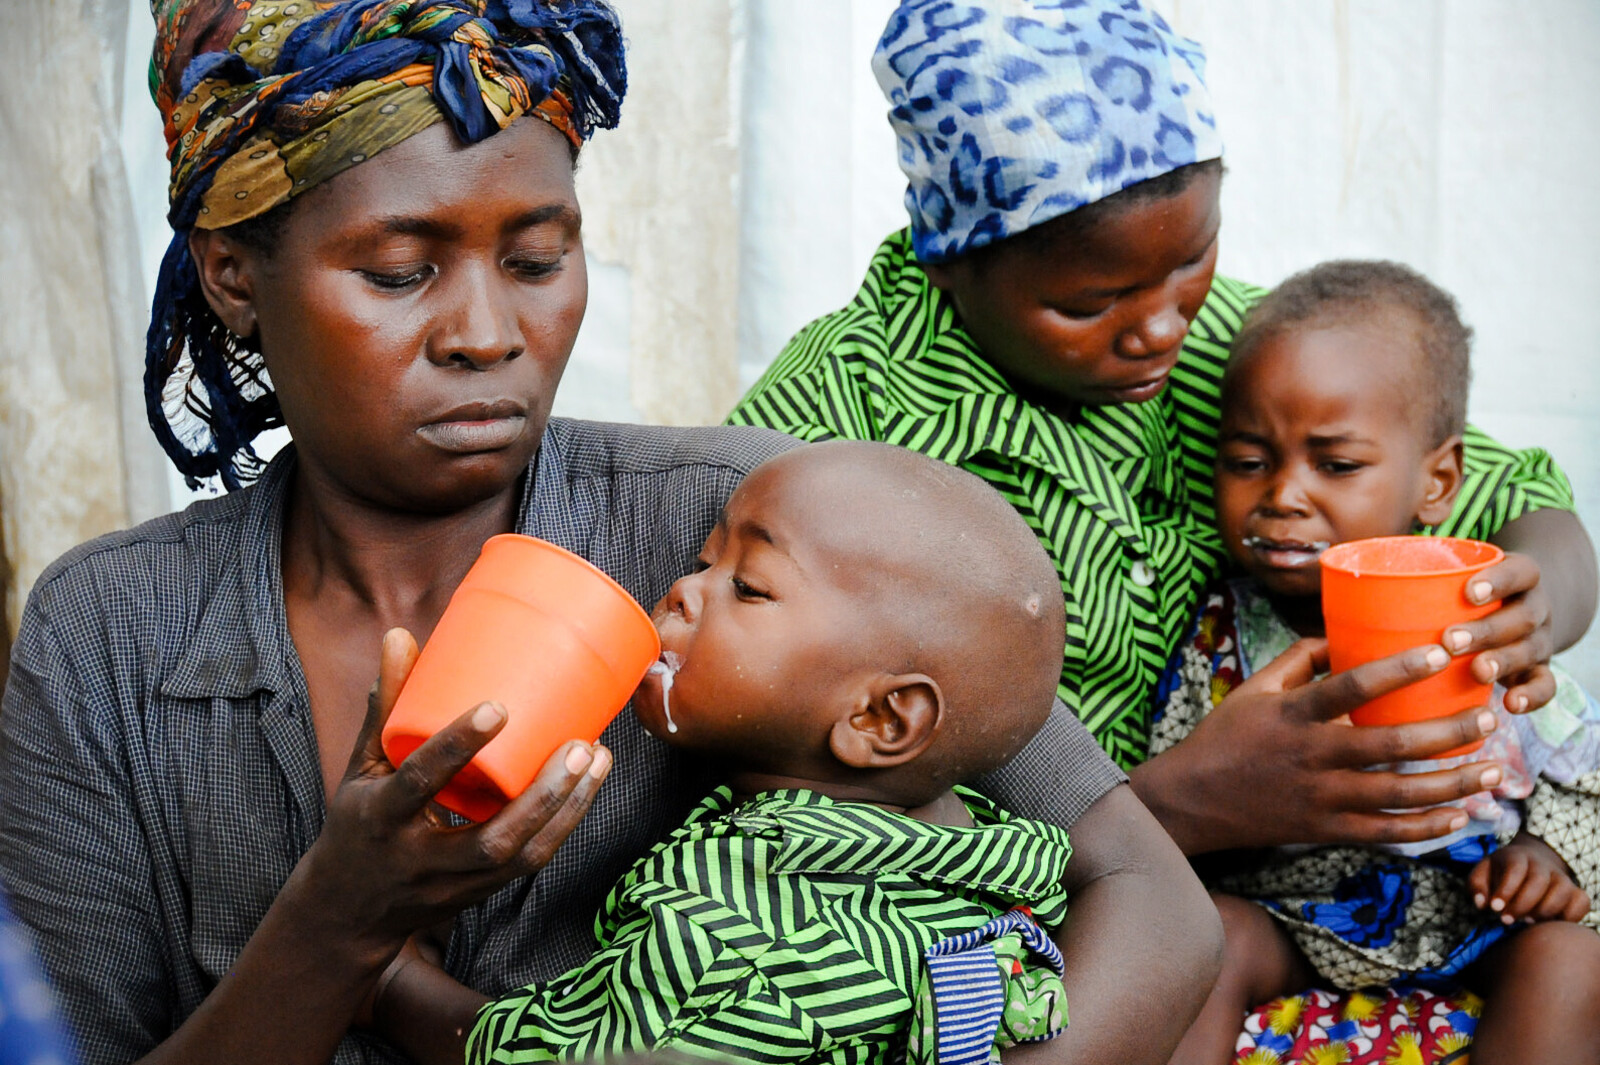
x=1501 y=485
x=809 y=391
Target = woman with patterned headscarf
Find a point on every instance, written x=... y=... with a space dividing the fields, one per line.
x=377 y=244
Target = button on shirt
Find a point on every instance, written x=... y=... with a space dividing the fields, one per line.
x=159 y=774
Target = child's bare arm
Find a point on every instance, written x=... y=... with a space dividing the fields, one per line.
x=1525 y=879
x=423 y=1010
x=1142 y=943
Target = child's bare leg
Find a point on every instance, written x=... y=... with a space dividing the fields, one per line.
x=1541 y=990
x=1259 y=963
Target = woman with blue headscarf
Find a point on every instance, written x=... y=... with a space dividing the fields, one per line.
x=1052 y=322
x=377 y=244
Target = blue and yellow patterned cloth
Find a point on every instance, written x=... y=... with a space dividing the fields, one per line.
x=1012 y=112
x=1401 y=916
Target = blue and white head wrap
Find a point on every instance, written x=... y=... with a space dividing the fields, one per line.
x=1013 y=112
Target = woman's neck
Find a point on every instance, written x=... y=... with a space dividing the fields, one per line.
x=403 y=567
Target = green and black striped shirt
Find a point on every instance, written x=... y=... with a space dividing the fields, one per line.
x=789 y=928
x=1120 y=496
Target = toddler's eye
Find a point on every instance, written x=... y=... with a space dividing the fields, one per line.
x=1342 y=467
x=745 y=591
x=1243 y=465
x=700 y=566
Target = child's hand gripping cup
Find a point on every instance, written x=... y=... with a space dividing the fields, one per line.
x=1392 y=593
x=543 y=633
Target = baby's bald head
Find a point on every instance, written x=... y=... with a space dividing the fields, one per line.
x=946 y=580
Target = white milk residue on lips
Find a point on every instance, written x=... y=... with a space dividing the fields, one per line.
x=667 y=669
x=1314 y=548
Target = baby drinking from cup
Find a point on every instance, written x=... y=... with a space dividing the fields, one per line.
x=1343 y=410
x=865 y=630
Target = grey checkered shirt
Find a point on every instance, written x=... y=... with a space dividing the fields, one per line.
x=159 y=775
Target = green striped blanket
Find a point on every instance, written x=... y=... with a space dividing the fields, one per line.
x=789 y=928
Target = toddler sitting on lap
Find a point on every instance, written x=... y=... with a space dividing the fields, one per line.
x=866 y=629
x=1342 y=413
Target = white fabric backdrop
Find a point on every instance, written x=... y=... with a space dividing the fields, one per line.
x=76 y=458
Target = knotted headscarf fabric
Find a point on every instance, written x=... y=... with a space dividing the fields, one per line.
x=1012 y=112
x=265 y=99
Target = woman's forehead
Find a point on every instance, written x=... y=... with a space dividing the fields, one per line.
x=521 y=176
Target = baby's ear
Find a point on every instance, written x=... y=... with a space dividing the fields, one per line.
x=1442 y=470
x=898 y=721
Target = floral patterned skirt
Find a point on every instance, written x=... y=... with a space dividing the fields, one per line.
x=1361 y=1028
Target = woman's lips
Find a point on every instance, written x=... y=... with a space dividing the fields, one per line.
x=1139 y=391
x=476 y=427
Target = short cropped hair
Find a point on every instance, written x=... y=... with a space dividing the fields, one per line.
x=1347 y=290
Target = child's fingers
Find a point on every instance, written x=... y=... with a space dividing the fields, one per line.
x=1577 y=907
x=1555 y=901
x=1510 y=867
x=1478 y=883
x=1534 y=886
x=1530 y=690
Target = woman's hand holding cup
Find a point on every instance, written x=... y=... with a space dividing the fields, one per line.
x=388 y=863
x=1513 y=645
x=1273 y=764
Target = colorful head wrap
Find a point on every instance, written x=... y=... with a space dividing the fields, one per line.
x=264 y=99
x=1013 y=112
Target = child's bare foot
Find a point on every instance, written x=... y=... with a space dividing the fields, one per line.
x=1259 y=963
x=1525 y=880
x=1541 y=989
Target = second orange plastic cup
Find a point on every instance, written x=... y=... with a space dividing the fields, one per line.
x=1392 y=593
x=543 y=633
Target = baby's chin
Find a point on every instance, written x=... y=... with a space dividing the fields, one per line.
x=1300 y=583
x=1280 y=585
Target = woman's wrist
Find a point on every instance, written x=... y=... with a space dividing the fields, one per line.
x=423 y=1010
x=376 y=1008
x=308 y=910
x=1158 y=786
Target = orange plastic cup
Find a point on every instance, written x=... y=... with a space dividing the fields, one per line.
x=543 y=633
x=1392 y=593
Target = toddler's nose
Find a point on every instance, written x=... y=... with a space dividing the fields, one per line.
x=1284 y=496
x=682 y=601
